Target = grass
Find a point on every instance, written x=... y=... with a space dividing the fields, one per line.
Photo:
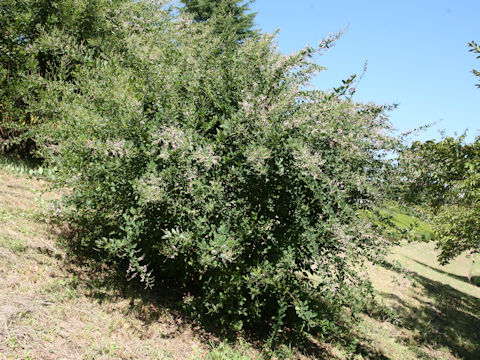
x=16 y=165
x=407 y=226
x=225 y=351
x=48 y=309
x=421 y=229
x=432 y=309
x=53 y=306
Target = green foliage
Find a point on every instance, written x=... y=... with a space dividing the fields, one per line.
x=16 y=62
x=432 y=168
x=475 y=49
x=193 y=157
x=26 y=61
x=241 y=21
x=458 y=224
x=444 y=175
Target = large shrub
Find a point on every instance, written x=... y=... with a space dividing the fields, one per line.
x=26 y=61
x=192 y=157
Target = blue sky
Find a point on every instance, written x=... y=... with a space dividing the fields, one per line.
x=416 y=51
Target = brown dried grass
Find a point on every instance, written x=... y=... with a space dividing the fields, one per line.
x=48 y=312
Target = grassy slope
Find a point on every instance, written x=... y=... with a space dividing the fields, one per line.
x=53 y=308
x=421 y=230
x=433 y=311
x=48 y=308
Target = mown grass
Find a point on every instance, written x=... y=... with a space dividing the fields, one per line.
x=397 y=224
x=48 y=308
x=420 y=229
x=433 y=309
x=55 y=306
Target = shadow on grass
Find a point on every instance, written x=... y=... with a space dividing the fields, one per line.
x=458 y=277
x=107 y=284
x=29 y=165
x=19 y=162
x=451 y=319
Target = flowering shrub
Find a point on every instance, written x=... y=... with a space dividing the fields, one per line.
x=193 y=157
x=26 y=60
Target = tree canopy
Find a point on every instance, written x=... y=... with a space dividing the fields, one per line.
x=458 y=223
x=431 y=169
x=242 y=21
x=443 y=176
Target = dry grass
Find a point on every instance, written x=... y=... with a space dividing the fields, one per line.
x=47 y=311
x=432 y=311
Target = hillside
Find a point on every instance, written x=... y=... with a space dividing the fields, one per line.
x=53 y=306
x=52 y=309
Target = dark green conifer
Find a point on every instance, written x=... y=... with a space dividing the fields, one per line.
x=243 y=20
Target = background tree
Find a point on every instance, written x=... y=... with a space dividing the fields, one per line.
x=443 y=176
x=457 y=225
x=431 y=169
x=242 y=21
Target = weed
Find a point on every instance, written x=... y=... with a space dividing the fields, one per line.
x=14 y=244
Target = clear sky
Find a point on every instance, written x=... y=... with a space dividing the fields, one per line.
x=416 y=51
